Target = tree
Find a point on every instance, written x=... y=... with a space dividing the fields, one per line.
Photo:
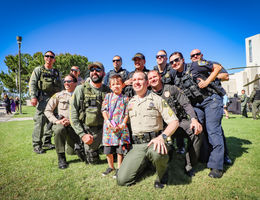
x=63 y=63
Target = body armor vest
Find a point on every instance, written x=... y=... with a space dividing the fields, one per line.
x=90 y=113
x=49 y=81
x=173 y=103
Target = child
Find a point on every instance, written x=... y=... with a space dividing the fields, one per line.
x=115 y=132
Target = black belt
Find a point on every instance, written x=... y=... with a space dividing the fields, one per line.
x=145 y=137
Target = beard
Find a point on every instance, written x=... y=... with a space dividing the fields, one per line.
x=96 y=79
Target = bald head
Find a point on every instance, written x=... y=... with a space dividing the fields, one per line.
x=196 y=55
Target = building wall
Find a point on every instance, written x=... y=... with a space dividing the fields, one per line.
x=237 y=80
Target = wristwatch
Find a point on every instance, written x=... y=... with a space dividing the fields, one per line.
x=164 y=137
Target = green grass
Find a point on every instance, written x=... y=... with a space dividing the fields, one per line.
x=27 y=111
x=25 y=175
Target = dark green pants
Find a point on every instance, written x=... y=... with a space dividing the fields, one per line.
x=62 y=135
x=255 y=108
x=40 y=134
x=137 y=160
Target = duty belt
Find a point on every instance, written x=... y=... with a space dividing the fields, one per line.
x=145 y=137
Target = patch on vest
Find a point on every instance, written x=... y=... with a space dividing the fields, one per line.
x=167 y=75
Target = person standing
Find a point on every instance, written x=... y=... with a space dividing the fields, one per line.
x=118 y=70
x=63 y=132
x=147 y=111
x=7 y=104
x=76 y=72
x=255 y=100
x=139 y=62
x=44 y=82
x=196 y=81
x=189 y=126
x=16 y=103
x=243 y=100
x=85 y=111
x=116 y=137
x=197 y=56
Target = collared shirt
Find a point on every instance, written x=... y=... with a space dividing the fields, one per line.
x=147 y=114
x=60 y=101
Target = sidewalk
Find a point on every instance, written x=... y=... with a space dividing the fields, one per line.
x=7 y=118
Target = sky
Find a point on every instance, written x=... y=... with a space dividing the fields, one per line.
x=101 y=29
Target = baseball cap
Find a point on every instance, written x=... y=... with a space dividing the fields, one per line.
x=96 y=64
x=138 y=55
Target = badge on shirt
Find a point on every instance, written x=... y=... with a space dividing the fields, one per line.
x=167 y=93
x=151 y=106
x=167 y=75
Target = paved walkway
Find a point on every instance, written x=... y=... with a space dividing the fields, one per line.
x=7 y=118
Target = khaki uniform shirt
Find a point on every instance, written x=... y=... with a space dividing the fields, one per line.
x=147 y=114
x=60 y=100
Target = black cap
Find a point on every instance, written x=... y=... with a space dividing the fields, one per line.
x=138 y=55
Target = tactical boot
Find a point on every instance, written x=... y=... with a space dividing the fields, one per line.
x=92 y=157
x=215 y=173
x=62 y=163
x=39 y=150
x=80 y=152
x=49 y=146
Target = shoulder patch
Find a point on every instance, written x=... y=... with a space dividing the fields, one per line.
x=202 y=63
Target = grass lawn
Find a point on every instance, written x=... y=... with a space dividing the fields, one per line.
x=27 y=111
x=26 y=175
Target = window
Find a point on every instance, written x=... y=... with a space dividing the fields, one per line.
x=250 y=51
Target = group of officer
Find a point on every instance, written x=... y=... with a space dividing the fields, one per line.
x=173 y=99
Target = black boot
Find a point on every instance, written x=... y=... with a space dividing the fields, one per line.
x=62 y=163
x=80 y=151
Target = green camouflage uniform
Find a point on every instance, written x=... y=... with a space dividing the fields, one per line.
x=86 y=116
x=43 y=84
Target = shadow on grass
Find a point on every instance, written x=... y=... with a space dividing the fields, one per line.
x=235 y=148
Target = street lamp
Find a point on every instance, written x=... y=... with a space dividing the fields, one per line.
x=19 y=41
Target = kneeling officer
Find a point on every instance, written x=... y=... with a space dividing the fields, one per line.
x=61 y=124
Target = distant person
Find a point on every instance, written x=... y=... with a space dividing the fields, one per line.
x=76 y=72
x=44 y=82
x=16 y=103
x=116 y=138
x=63 y=132
x=255 y=100
x=7 y=104
x=225 y=105
x=118 y=70
x=243 y=100
x=12 y=104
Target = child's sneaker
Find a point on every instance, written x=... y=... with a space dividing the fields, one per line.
x=115 y=175
x=109 y=170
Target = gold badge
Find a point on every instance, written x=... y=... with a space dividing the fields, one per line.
x=167 y=75
x=167 y=94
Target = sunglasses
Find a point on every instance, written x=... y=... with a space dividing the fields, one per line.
x=118 y=60
x=95 y=69
x=68 y=81
x=196 y=54
x=175 y=60
x=49 y=56
x=74 y=70
x=160 y=56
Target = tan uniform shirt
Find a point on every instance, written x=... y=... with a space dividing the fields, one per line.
x=60 y=99
x=147 y=114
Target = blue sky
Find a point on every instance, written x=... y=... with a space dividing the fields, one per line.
x=101 y=29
